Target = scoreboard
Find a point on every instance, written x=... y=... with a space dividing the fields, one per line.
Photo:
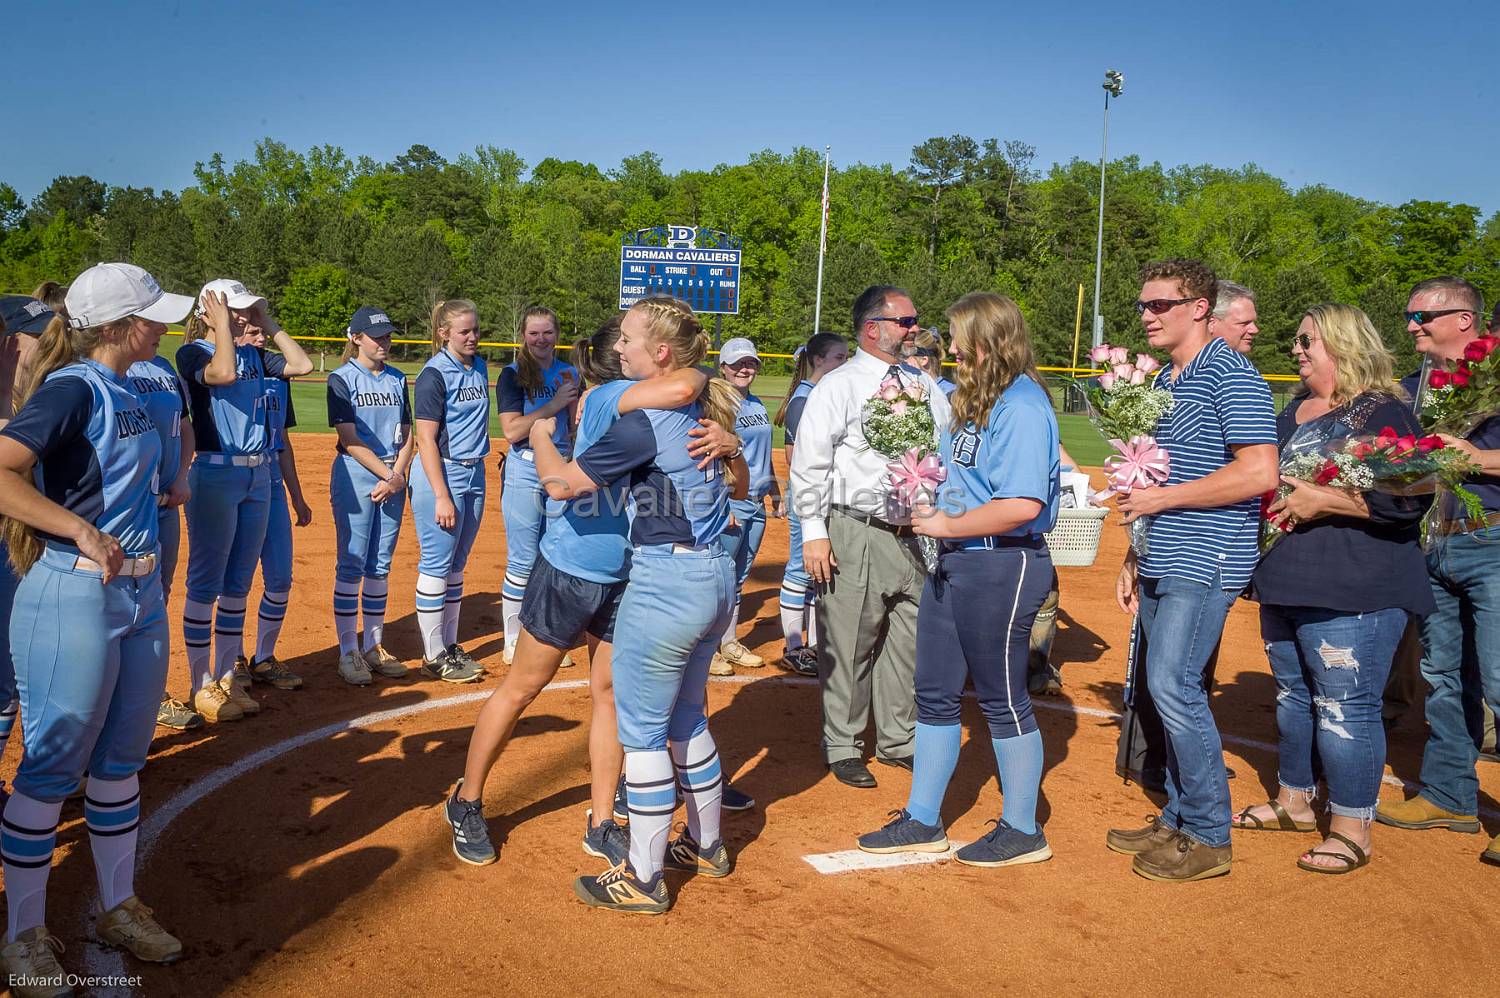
x=707 y=279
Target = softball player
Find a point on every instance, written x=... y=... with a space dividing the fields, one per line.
x=574 y=591
x=447 y=489
x=276 y=551
x=682 y=581
x=84 y=539
x=230 y=480
x=164 y=397
x=369 y=407
x=739 y=363
x=999 y=499
x=925 y=353
x=537 y=385
x=823 y=353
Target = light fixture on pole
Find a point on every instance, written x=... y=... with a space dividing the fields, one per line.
x=1114 y=85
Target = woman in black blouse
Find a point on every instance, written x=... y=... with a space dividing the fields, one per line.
x=1336 y=592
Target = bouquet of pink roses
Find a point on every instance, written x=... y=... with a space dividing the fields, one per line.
x=1126 y=409
x=898 y=424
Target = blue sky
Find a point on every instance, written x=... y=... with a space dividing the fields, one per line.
x=1358 y=96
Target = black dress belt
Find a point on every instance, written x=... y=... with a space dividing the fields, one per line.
x=874 y=521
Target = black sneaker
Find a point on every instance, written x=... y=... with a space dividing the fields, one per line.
x=619 y=890
x=471 y=836
x=449 y=670
x=605 y=840
x=736 y=800
x=803 y=661
x=622 y=805
x=1005 y=846
x=903 y=833
x=685 y=854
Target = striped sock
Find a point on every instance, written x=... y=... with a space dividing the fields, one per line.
x=512 y=591
x=1019 y=761
x=452 y=603
x=28 y=835
x=229 y=630
x=112 y=809
x=197 y=638
x=7 y=719
x=431 y=591
x=372 y=605
x=268 y=624
x=793 y=609
x=697 y=764
x=346 y=614
x=932 y=768
x=650 y=794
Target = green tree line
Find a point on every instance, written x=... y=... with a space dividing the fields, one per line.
x=319 y=233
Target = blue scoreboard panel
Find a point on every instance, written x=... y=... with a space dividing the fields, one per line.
x=707 y=279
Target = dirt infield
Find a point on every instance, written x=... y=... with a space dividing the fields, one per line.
x=325 y=869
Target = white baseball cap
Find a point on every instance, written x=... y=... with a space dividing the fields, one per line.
x=238 y=295
x=736 y=350
x=111 y=291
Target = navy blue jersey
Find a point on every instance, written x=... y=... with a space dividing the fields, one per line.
x=230 y=419
x=753 y=424
x=457 y=398
x=162 y=394
x=671 y=500
x=510 y=397
x=377 y=404
x=794 y=407
x=97 y=452
x=1013 y=456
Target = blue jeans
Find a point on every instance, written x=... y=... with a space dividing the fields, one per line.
x=1461 y=663
x=675 y=607
x=1182 y=621
x=1330 y=670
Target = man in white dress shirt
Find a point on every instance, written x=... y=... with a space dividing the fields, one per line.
x=861 y=553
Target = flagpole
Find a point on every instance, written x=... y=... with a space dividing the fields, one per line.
x=822 y=244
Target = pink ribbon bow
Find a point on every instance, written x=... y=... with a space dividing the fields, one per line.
x=1140 y=464
x=916 y=471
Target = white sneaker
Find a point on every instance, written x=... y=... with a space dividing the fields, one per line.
x=737 y=654
x=720 y=666
x=353 y=669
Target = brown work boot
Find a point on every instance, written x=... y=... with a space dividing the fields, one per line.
x=1492 y=854
x=1419 y=813
x=1134 y=841
x=1182 y=859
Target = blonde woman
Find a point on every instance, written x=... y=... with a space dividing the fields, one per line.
x=925 y=353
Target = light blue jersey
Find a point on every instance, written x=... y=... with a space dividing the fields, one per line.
x=753 y=424
x=457 y=398
x=671 y=500
x=230 y=419
x=97 y=452
x=947 y=386
x=1014 y=456
x=377 y=404
x=162 y=394
x=587 y=537
x=511 y=397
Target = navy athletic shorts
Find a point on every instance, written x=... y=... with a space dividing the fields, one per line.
x=558 y=608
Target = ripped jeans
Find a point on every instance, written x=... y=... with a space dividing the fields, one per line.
x=1330 y=670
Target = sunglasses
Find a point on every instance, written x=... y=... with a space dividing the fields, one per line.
x=905 y=321
x=1160 y=306
x=1304 y=341
x=1425 y=315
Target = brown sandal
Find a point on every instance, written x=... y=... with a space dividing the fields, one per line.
x=1284 y=821
x=1360 y=858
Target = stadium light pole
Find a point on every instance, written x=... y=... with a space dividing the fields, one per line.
x=1114 y=86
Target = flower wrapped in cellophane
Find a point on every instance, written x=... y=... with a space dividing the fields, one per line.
x=1126 y=410
x=898 y=424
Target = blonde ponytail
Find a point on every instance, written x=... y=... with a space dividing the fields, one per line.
x=442 y=317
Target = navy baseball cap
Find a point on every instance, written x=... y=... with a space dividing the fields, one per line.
x=371 y=321
x=24 y=314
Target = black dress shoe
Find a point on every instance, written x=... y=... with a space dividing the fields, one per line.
x=852 y=773
x=899 y=761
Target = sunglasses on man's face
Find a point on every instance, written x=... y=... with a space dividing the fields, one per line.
x=1423 y=316
x=905 y=321
x=1160 y=306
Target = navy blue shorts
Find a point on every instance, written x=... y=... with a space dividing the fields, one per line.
x=559 y=608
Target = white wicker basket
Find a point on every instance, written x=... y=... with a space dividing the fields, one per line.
x=1075 y=539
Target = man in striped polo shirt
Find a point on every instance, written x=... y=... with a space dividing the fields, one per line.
x=1201 y=550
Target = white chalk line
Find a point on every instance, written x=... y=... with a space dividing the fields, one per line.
x=102 y=962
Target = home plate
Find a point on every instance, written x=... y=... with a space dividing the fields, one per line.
x=851 y=860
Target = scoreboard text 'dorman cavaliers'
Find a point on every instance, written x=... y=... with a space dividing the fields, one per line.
x=708 y=279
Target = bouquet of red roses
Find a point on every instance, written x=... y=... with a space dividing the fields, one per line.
x=1459 y=396
x=1389 y=462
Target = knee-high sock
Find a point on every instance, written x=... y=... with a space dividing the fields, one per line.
x=651 y=795
x=451 y=604
x=27 y=838
x=229 y=630
x=346 y=614
x=697 y=763
x=372 y=605
x=268 y=625
x=197 y=638
x=512 y=591
x=733 y=625
x=7 y=721
x=810 y=617
x=793 y=611
x=1019 y=761
x=112 y=809
x=932 y=768
x=432 y=590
